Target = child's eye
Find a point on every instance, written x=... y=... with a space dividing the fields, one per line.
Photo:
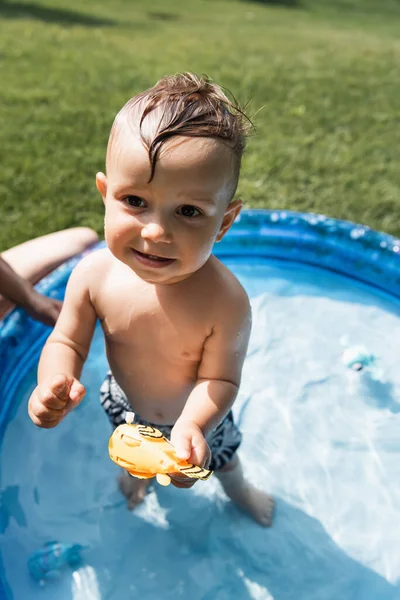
x=135 y=201
x=188 y=211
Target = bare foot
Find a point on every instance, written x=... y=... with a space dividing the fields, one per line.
x=255 y=502
x=133 y=489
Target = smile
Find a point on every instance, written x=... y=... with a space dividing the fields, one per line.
x=152 y=260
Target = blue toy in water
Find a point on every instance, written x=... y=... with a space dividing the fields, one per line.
x=47 y=562
x=358 y=358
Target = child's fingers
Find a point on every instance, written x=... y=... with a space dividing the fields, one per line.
x=77 y=392
x=51 y=401
x=76 y=395
x=182 y=444
x=200 y=451
x=200 y=456
x=44 y=424
x=60 y=385
x=56 y=394
x=43 y=416
x=181 y=481
x=197 y=452
x=60 y=392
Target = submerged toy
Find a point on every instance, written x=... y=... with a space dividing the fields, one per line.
x=358 y=358
x=144 y=452
x=47 y=562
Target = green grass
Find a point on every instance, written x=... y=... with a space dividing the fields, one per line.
x=323 y=77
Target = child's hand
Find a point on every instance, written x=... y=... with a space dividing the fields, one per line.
x=53 y=399
x=191 y=445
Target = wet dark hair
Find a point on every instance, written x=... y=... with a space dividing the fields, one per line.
x=187 y=105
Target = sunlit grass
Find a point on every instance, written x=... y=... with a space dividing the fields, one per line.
x=323 y=78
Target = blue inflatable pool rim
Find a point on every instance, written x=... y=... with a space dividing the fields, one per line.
x=352 y=250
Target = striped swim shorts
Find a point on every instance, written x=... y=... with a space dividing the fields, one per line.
x=224 y=440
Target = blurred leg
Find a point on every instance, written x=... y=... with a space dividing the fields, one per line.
x=36 y=258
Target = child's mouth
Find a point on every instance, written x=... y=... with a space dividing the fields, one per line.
x=152 y=260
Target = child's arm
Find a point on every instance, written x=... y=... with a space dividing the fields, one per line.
x=218 y=379
x=64 y=353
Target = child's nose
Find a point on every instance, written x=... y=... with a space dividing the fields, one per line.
x=156 y=232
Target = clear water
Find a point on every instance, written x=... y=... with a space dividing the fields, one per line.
x=323 y=439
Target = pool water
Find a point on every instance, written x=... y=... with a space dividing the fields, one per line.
x=322 y=438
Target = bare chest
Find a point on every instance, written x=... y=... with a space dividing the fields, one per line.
x=173 y=326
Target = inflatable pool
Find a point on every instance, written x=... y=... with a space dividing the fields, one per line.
x=322 y=436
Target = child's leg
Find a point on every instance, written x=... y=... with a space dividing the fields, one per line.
x=255 y=502
x=133 y=489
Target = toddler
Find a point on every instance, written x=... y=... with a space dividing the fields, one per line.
x=176 y=321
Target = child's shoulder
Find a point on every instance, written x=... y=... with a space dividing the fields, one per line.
x=226 y=288
x=93 y=267
x=101 y=257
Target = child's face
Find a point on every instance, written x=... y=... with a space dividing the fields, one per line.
x=165 y=230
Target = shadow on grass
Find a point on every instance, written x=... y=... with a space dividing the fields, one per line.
x=285 y=3
x=163 y=16
x=22 y=10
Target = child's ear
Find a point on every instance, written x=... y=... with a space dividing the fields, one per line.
x=230 y=215
x=101 y=184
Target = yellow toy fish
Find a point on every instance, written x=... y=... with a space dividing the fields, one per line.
x=144 y=452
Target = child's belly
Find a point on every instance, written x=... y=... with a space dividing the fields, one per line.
x=156 y=384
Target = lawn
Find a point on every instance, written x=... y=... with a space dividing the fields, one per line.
x=322 y=78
